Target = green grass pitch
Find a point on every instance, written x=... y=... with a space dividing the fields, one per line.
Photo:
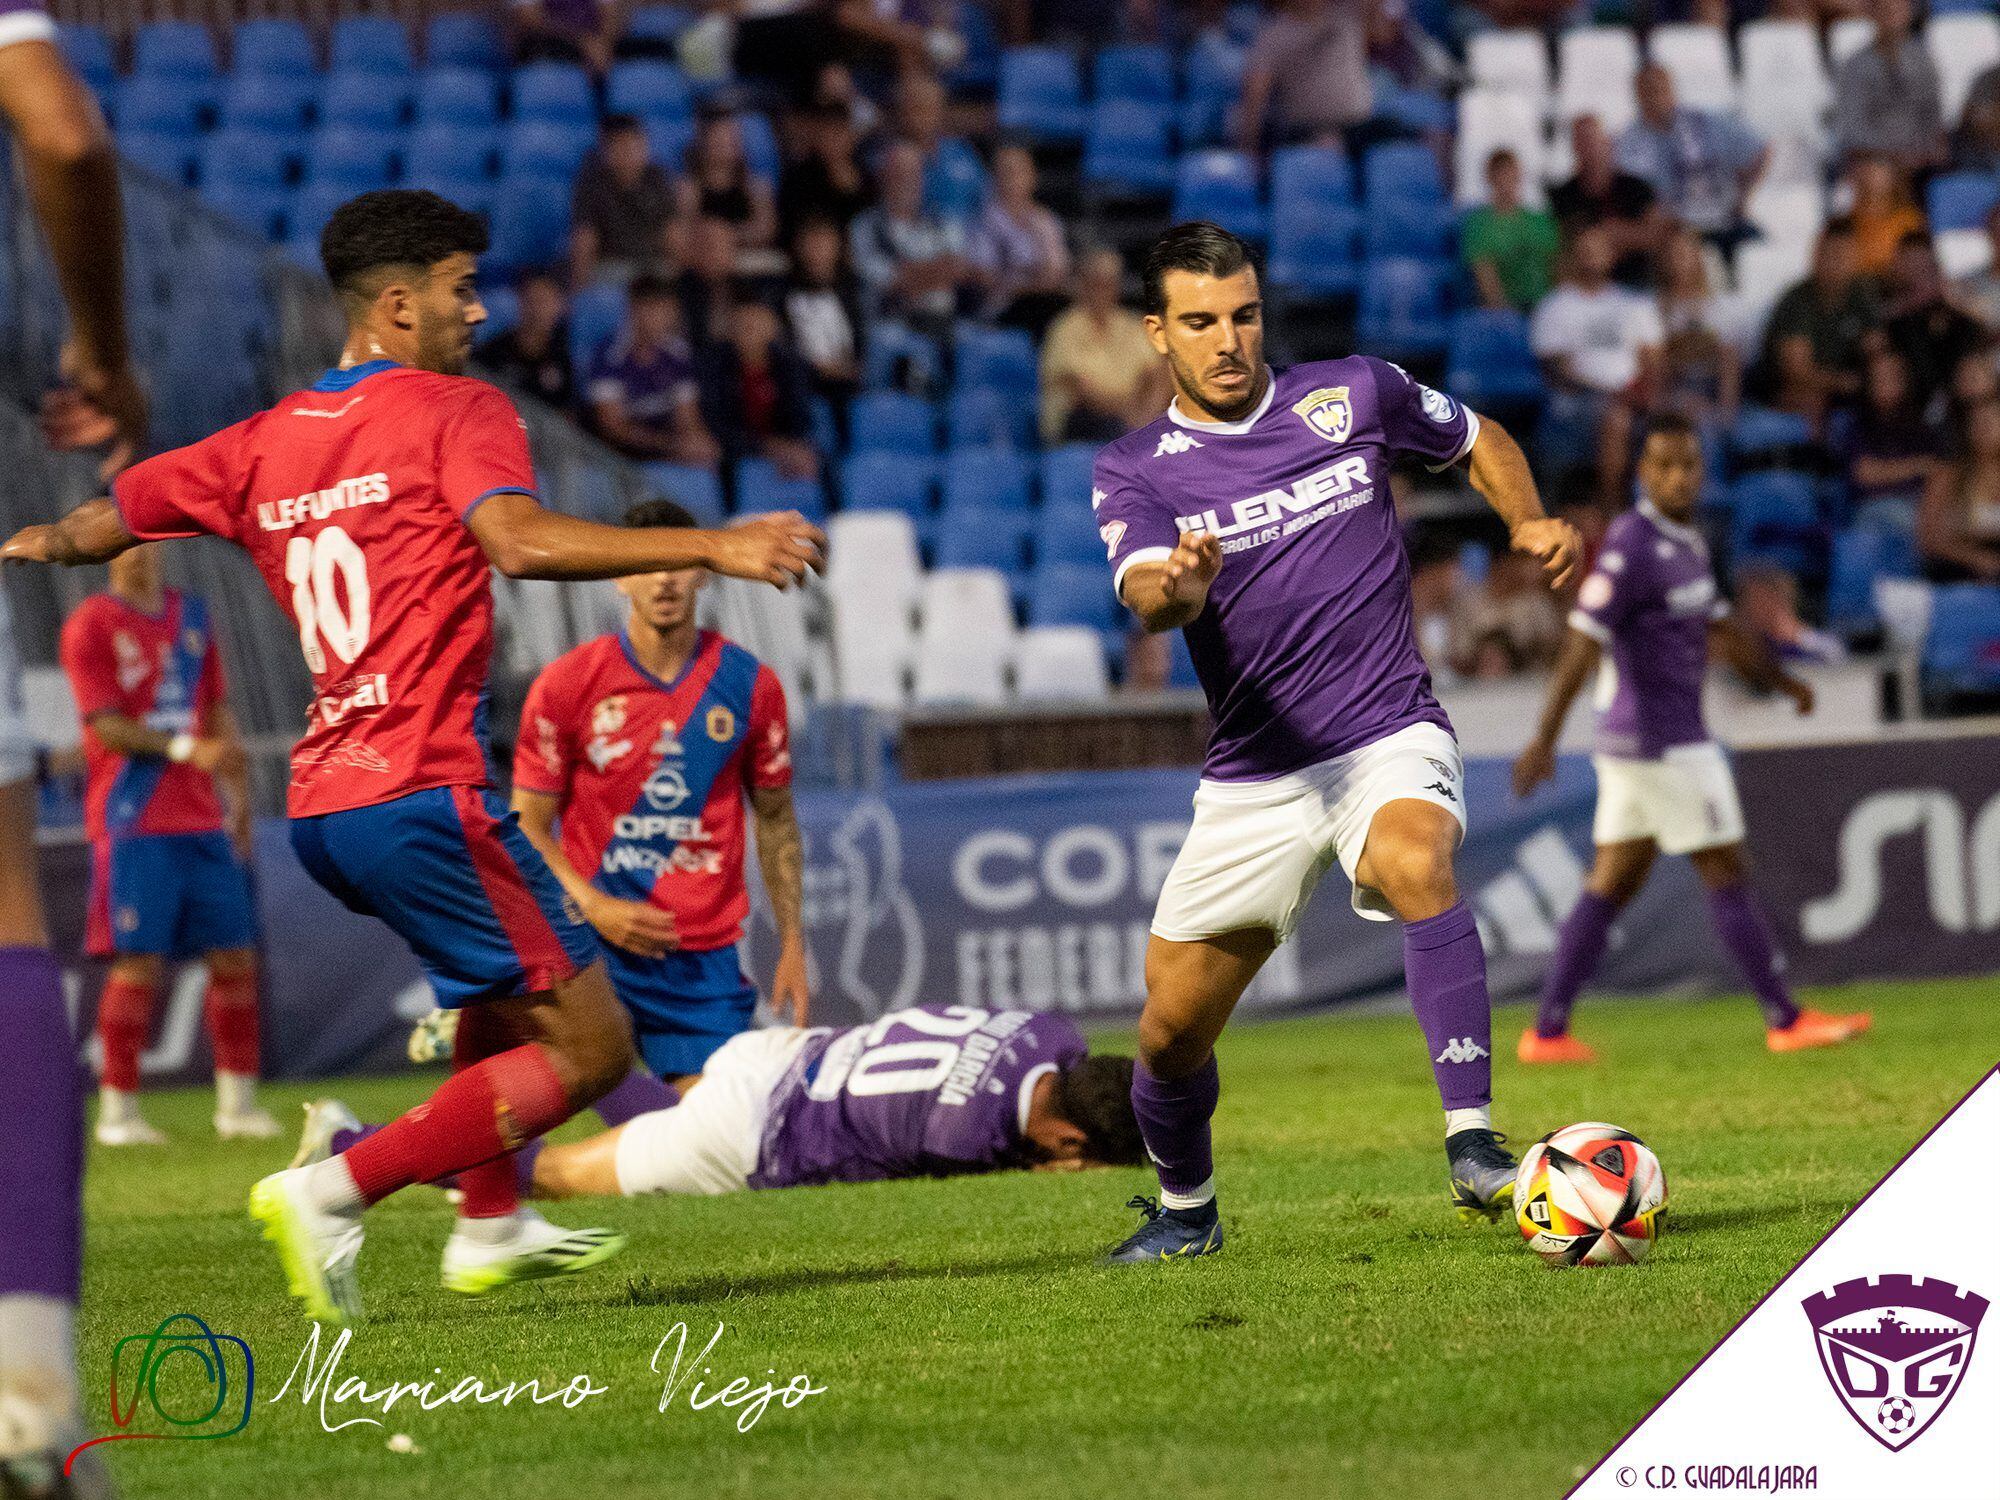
x=1352 y=1340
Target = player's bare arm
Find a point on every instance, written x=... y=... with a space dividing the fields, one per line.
x=233 y=778
x=523 y=539
x=781 y=855
x=1574 y=667
x=1501 y=475
x=1754 y=663
x=636 y=926
x=92 y=533
x=218 y=755
x=1168 y=594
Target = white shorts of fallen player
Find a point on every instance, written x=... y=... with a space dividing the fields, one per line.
x=1684 y=802
x=708 y=1143
x=1258 y=848
x=17 y=750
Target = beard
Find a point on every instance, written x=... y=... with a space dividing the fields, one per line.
x=1186 y=382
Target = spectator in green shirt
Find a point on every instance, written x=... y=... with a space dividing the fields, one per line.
x=1510 y=249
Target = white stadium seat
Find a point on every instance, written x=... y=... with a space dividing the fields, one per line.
x=1594 y=72
x=1061 y=661
x=1964 y=252
x=1489 y=119
x=1698 y=58
x=872 y=580
x=966 y=640
x=1765 y=271
x=1790 y=213
x=1963 y=46
x=1511 y=62
x=50 y=708
x=1784 y=85
x=1847 y=37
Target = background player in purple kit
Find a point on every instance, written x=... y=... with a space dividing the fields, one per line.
x=1649 y=612
x=1256 y=515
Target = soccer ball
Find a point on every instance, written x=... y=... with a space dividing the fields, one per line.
x=1590 y=1195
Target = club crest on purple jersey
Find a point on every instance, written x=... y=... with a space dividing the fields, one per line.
x=1895 y=1350
x=1328 y=412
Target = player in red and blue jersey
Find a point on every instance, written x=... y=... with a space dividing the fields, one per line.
x=167 y=883
x=375 y=503
x=645 y=744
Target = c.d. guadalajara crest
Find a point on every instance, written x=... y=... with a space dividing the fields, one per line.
x=1895 y=1349
x=1328 y=412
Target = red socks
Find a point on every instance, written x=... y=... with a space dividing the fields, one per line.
x=491 y=1189
x=232 y=1023
x=124 y=1016
x=483 y=1112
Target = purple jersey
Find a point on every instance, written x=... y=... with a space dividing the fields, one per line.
x=932 y=1090
x=1649 y=602
x=1306 y=649
x=25 y=21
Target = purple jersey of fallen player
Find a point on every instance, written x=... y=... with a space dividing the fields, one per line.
x=1306 y=649
x=929 y=1091
x=1649 y=602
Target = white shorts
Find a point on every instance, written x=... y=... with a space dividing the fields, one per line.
x=708 y=1143
x=1684 y=801
x=1258 y=848
x=17 y=749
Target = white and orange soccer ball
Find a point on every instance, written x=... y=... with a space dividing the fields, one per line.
x=1590 y=1195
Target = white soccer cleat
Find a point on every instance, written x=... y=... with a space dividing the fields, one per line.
x=537 y=1249
x=34 y=1442
x=131 y=1130
x=317 y=1249
x=252 y=1124
x=324 y=1117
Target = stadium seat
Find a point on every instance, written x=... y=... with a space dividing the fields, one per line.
x=455 y=95
x=1774 y=518
x=1127 y=152
x=896 y=357
x=993 y=356
x=1060 y=661
x=1962 y=649
x=169 y=154
x=1214 y=79
x=1066 y=474
x=1409 y=227
x=1788 y=213
x=669 y=138
x=1784 y=82
x=1305 y=178
x=1180 y=664
x=311 y=206
x=1761 y=434
x=965 y=640
x=973 y=538
x=872 y=580
x=760 y=487
x=247 y=159
x=649 y=88
x=464 y=39
x=530 y=221
x=1067 y=533
x=1697 y=57
x=1401 y=171
x=359 y=160
x=1862 y=554
x=1402 y=308
x=272 y=45
x=545 y=148
x=761 y=153
x=1133 y=71
x=891 y=422
x=1846 y=37
x=268 y=101
x=955 y=183
x=1041 y=94
x=174 y=49
x=88 y=50
x=595 y=315
x=1514 y=62
x=987 y=416
x=370 y=44
x=1489 y=362
x=986 y=479
x=1595 y=66
x=1220 y=186
x=554 y=91
x=1313 y=249
x=978 y=72
x=449 y=152
x=367 y=101
x=697 y=489
x=1489 y=120
x=1412 y=111
x=659 y=24
x=1072 y=593
x=1962 y=47
x=165 y=104
x=902 y=482
x=1964 y=252
x=260 y=209
x=1961 y=200
x=1764 y=271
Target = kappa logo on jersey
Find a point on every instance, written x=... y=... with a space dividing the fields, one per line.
x=1328 y=412
x=1439 y=407
x=1461 y=1049
x=1098 y=497
x=1113 y=533
x=1175 y=441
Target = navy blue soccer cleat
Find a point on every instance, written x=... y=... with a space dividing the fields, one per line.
x=1482 y=1175
x=1169 y=1233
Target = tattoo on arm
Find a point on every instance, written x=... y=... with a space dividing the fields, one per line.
x=781 y=855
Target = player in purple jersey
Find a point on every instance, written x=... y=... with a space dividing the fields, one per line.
x=932 y=1091
x=1256 y=516
x=1645 y=621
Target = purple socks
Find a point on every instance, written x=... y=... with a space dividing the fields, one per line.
x=1445 y=967
x=1585 y=932
x=41 y=1132
x=1740 y=923
x=1174 y=1117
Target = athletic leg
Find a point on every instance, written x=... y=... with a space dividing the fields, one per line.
x=1618 y=874
x=125 y=1009
x=230 y=1009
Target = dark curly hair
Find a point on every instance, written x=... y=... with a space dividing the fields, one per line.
x=1096 y=1097
x=394 y=228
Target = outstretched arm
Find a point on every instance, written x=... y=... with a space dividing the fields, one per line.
x=92 y=533
x=1166 y=595
x=781 y=856
x=1755 y=664
x=1537 y=763
x=524 y=540
x=1501 y=475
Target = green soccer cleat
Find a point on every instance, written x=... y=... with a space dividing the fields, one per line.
x=317 y=1249
x=536 y=1250
x=1482 y=1176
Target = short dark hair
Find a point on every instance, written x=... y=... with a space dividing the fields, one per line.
x=1096 y=1096
x=620 y=123
x=1198 y=246
x=660 y=513
x=650 y=285
x=1669 y=424
x=395 y=227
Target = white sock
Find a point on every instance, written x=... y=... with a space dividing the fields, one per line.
x=1479 y=1117
x=115 y=1106
x=1201 y=1196
x=330 y=1188
x=38 y=1349
x=496 y=1229
x=235 y=1093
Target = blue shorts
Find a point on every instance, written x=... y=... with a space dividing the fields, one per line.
x=179 y=895
x=683 y=1006
x=450 y=870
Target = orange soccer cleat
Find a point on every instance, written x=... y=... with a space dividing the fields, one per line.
x=1816 y=1029
x=1536 y=1048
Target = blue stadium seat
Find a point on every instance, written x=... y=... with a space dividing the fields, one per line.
x=268 y=101
x=1041 y=94
x=670 y=140
x=1410 y=227
x=595 y=315
x=978 y=72
x=359 y=160
x=658 y=23
x=1134 y=71
x=895 y=356
x=1962 y=651
x=464 y=39
x=451 y=152
x=306 y=215
x=884 y=480
x=164 y=153
x=530 y=222
x=986 y=479
x=174 y=49
x=1128 y=151
x=474 y=194
x=370 y=44
x=1214 y=79
x=699 y=490
x=259 y=209
x=1066 y=474
x=545 y=148
x=1402 y=312
x=1220 y=186
x=1774 y=518
x=1313 y=248
x=88 y=49
x=164 y=104
x=1489 y=362
x=760 y=145
x=1072 y=593
x=271 y=45
x=649 y=88
x=458 y=96
x=994 y=356
x=891 y=422
x=1961 y=200
x=760 y=487
x=989 y=417
x=955 y=180
x=1861 y=554
x=1412 y=111
x=1761 y=434
x=247 y=159
x=1068 y=534
x=554 y=91
x=1401 y=169
x=1310 y=177
x=973 y=538
x=368 y=101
